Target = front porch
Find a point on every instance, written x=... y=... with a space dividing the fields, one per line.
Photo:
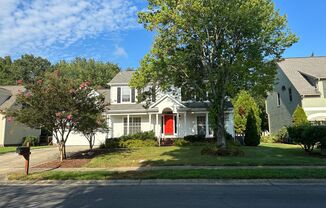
x=168 y=124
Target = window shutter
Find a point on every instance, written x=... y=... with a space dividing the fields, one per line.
x=118 y=95
x=133 y=95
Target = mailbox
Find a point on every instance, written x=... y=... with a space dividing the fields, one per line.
x=23 y=150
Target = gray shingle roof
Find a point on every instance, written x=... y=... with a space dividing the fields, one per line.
x=105 y=93
x=122 y=77
x=130 y=108
x=8 y=96
x=294 y=68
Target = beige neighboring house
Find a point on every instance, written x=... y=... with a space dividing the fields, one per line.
x=299 y=82
x=11 y=131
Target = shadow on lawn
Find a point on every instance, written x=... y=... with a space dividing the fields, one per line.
x=253 y=156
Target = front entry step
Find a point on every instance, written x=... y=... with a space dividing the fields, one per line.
x=167 y=141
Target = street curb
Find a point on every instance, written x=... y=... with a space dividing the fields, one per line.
x=269 y=182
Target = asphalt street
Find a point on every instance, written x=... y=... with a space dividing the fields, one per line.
x=171 y=195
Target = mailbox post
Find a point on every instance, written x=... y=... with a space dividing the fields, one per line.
x=25 y=152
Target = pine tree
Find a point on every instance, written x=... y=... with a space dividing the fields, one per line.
x=299 y=117
x=252 y=133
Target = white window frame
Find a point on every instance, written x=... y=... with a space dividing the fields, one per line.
x=125 y=91
x=134 y=126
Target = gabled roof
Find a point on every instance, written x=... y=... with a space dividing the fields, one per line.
x=122 y=77
x=296 y=68
x=8 y=95
x=166 y=97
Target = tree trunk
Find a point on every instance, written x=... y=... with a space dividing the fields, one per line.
x=64 y=151
x=61 y=151
x=217 y=111
x=220 y=136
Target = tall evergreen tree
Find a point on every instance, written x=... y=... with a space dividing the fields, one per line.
x=252 y=133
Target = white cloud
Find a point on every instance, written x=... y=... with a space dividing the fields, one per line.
x=120 y=51
x=37 y=26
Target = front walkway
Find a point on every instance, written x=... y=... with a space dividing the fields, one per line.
x=10 y=162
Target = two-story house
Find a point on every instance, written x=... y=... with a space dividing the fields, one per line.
x=169 y=116
x=299 y=82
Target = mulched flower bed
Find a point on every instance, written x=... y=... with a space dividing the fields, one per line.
x=77 y=160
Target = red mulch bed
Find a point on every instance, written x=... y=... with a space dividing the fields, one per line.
x=75 y=161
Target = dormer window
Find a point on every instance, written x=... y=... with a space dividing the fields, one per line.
x=126 y=95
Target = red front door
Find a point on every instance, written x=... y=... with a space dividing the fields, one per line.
x=168 y=125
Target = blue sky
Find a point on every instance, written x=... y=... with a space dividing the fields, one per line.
x=107 y=30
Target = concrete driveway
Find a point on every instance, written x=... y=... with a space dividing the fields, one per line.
x=11 y=162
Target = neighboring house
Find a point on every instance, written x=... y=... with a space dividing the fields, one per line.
x=299 y=82
x=169 y=116
x=11 y=131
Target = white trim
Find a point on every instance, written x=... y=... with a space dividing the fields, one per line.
x=128 y=121
x=312 y=117
x=163 y=98
x=314 y=109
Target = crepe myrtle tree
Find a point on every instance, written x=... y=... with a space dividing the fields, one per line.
x=56 y=104
x=213 y=48
x=92 y=121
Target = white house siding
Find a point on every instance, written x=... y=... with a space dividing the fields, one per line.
x=190 y=129
x=13 y=132
x=79 y=139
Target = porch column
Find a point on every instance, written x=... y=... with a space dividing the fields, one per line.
x=207 y=126
x=156 y=126
x=127 y=124
x=150 y=121
x=110 y=132
x=178 y=125
x=185 y=124
x=157 y=132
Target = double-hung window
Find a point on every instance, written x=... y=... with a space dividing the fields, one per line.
x=134 y=125
x=126 y=95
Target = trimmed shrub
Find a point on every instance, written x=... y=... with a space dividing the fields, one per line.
x=299 y=117
x=268 y=138
x=33 y=141
x=307 y=136
x=180 y=142
x=130 y=143
x=282 y=136
x=141 y=136
x=252 y=133
x=230 y=150
x=195 y=138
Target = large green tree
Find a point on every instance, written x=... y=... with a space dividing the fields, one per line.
x=81 y=69
x=26 y=68
x=6 y=75
x=214 y=48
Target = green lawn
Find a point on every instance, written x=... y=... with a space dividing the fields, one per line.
x=13 y=149
x=305 y=173
x=265 y=154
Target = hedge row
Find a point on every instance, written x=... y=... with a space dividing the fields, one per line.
x=308 y=136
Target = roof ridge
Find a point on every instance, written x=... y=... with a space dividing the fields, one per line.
x=304 y=57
